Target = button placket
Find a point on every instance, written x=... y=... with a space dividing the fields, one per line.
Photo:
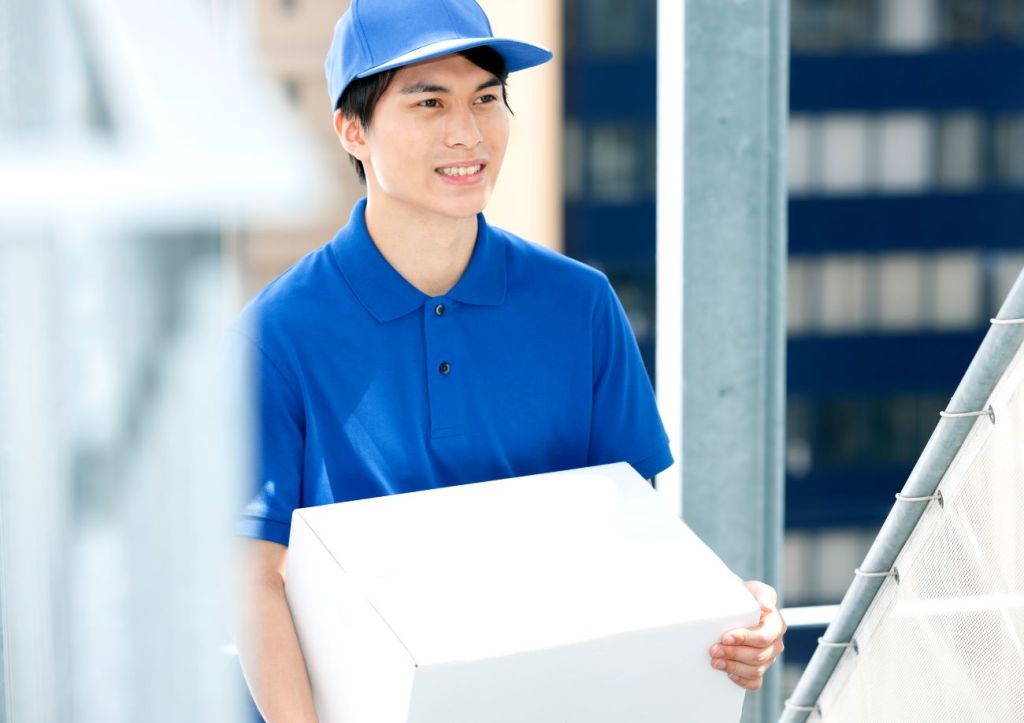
x=444 y=388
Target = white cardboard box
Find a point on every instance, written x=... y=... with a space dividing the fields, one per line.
x=568 y=597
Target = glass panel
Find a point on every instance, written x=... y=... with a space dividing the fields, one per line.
x=829 y=26
x=904 y=152
x=959 y=150
x=957 y=290
x=841 y=551
x=798 y=154
x=962 y=22
x=908 y=24
x=799 y=458
x=900 y=291
x=844 y=149
x=622 y=162
x=1008 y=20
x=844 y=429
x=1009 y=150
x=574 y=151
x=613 y=27
x=1008 y=267
x=844 y=293
x=800 y=295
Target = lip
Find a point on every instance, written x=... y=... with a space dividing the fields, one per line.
x=462 y=180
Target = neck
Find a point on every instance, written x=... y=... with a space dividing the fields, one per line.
x=428 y=250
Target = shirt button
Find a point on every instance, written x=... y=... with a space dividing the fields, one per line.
x=439 y=309
x=444 y=368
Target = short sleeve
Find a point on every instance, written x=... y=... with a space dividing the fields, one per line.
x=625 y=423
x=275 y=443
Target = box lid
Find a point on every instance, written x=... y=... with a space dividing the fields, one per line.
x=497 y=568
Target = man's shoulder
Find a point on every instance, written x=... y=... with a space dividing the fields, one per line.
x=534 y=262
x=290 y=300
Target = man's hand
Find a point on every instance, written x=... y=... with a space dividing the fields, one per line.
x=746 y=653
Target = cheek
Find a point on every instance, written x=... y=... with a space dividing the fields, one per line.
x=397 y=153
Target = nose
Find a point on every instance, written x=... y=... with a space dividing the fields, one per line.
x=461 y=129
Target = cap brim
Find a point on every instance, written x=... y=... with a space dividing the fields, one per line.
x=517 y=54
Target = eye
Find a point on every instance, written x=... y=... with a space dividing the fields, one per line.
x=488 y=98
x=429 y=103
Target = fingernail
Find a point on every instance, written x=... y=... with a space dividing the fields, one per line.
x=729 y=639
x=718 y=652
x=734 y=677
x=719 y=664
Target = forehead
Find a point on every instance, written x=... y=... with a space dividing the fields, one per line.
x=448 y=70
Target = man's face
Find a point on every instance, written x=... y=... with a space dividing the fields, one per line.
x=438 y=136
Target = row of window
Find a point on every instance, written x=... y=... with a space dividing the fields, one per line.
x=629 y=27
x=611 y=27
x=848 y=153
x=897 y=292
x=610 y=162
x=830 y=433
x=837 y=154
x=903 y=25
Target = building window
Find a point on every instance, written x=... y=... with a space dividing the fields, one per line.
x=801 y=295
x=574 y=159
x=900 y=284
x=621 y=162
x=1005 y=267
x=962 y=22
x=818 y=26
x=956 y=294
x=844 y=296
x=844 y=140
x=800 y=155
x=611 y=27
x=1009 y=149
x=1008 y=20
x=903 y=152
x=907 y=25
x=959 y=151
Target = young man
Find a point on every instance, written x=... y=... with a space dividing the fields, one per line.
x=422 y=347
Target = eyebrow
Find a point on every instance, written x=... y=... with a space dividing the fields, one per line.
x=425 y=87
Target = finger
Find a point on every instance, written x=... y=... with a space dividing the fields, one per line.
x=761 y=635
x=741 y=670
x=752 y=685
x=765 y=595
x=747 y=654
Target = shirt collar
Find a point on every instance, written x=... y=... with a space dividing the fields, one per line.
x=387 y=295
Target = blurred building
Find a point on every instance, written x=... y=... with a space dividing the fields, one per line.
x=906 y=176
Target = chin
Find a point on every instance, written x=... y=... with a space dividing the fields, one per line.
x=471 y=205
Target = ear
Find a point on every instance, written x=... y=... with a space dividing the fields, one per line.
x=352 y=135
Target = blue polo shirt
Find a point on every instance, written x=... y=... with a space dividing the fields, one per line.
x=365 y=386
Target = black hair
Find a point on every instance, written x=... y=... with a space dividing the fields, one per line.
x=361 y=96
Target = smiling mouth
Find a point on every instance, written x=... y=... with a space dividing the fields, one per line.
x=457 y=171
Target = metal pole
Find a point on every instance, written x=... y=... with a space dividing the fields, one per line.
x=729 y=410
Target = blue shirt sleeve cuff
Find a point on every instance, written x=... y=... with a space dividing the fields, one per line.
x=263 y=529
x=652 y=464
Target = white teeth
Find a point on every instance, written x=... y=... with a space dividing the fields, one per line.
x=460 y=170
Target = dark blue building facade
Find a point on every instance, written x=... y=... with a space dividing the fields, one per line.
x=906 y=230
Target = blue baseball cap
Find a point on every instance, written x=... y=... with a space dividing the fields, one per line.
x=377 y=35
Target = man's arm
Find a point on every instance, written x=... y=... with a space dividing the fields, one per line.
x=268 y=647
